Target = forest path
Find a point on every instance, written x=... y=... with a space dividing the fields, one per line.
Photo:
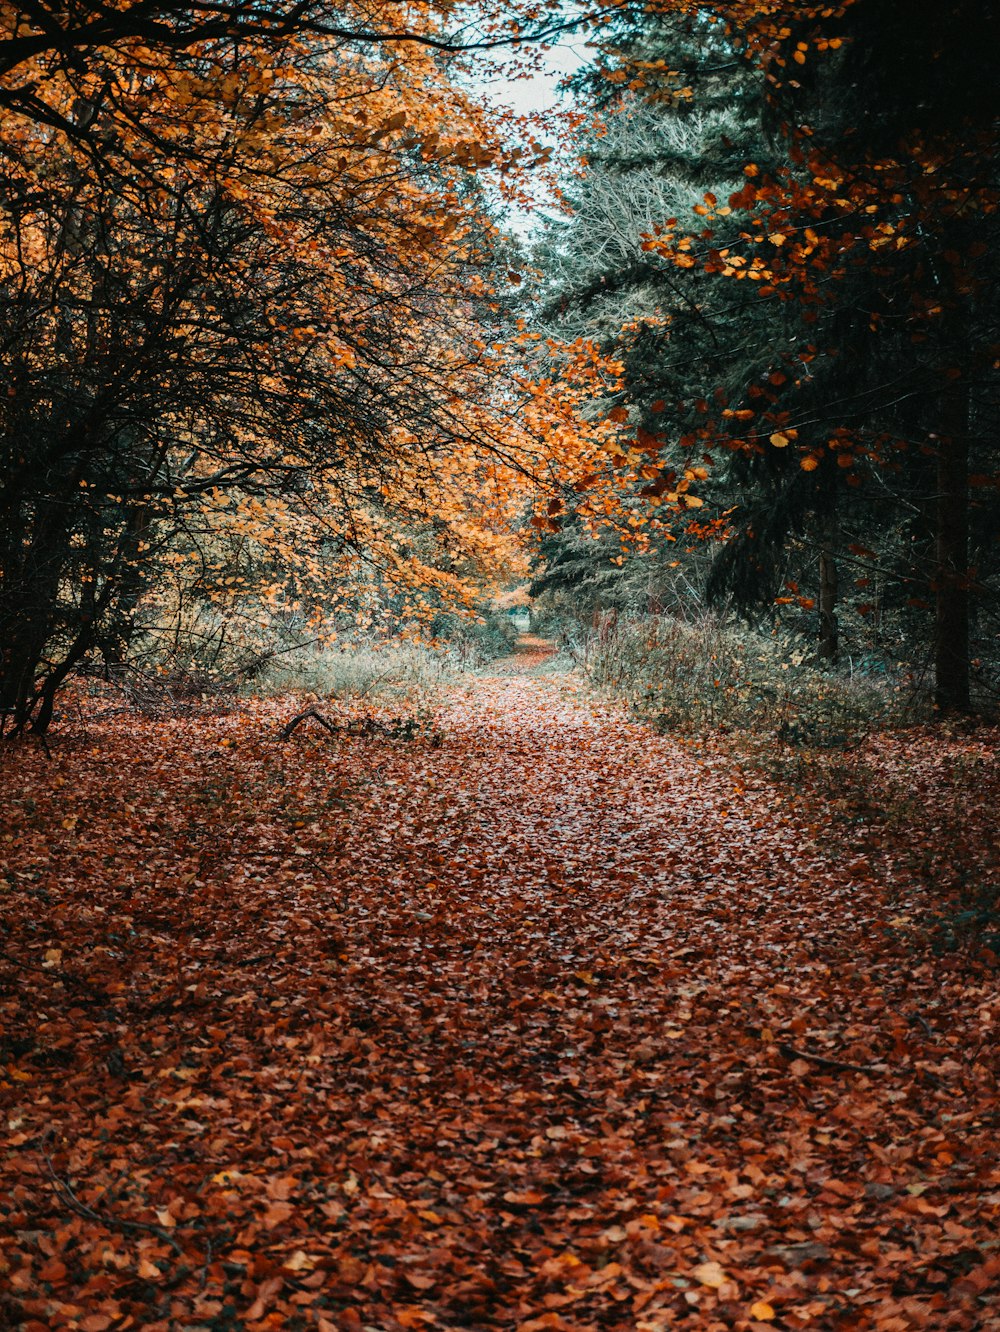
x=531 y=653
x=543 y=1022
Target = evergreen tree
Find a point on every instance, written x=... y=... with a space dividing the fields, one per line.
x=827 y=344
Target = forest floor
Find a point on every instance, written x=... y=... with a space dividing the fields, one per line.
x=536 y=1020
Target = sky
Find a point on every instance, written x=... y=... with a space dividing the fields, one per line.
x=538 y=95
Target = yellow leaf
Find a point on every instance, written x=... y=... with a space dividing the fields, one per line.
x=779 y=440
x=762 y=1311
x=809 y=463
x=709 y=1274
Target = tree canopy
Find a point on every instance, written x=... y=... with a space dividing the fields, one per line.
x=812 y=316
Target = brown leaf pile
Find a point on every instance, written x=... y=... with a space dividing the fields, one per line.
x=550 y=1024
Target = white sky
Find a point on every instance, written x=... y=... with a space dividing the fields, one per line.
x=537 y=96
x=539 y=93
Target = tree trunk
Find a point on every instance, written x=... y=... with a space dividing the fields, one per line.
x=829 y=635
x=951 y=574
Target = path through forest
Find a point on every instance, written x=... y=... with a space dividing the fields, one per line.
x=539 y=1021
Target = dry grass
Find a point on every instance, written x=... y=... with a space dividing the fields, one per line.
x=706 y=675
x=359 y=671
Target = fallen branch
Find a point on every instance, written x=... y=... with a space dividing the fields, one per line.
x=69 y=1199
x=289 y=727
x=398 y=729
x=790 y=1052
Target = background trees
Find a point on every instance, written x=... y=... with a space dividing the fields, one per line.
x=821 y=335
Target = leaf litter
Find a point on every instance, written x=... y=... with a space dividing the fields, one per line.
x=536 y=1020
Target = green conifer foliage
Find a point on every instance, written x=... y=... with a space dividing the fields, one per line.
x=813 y=316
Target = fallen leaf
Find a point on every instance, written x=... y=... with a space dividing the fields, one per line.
x=709 y=1274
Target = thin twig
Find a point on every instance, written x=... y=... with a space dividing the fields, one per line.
x=69 y=1199
x=790 y=1052
x=79 y=983
x=919 y=1018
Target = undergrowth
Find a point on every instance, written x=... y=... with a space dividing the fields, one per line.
x=362 y=669
x=706 y=675
x=357 y=671
x=888 y=783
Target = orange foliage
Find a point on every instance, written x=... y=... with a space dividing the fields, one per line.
x=265 y=264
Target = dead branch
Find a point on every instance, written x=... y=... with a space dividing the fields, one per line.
x=69 y=1199
x=790 y=1052
x=397 y=729
x=290 y=726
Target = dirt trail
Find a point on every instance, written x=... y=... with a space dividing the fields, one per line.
x=549 y=1023
x=531 y=653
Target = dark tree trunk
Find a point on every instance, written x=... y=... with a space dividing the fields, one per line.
x=829 y=630
x=951 y=580
x=32 y=563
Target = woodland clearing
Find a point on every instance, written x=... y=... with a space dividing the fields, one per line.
x=536 y=1020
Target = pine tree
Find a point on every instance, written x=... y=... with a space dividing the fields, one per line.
x=836 y=327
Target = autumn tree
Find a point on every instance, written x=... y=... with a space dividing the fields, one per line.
x=667 y=158
x=247 y=296
x=892 y=132
x=44 y=44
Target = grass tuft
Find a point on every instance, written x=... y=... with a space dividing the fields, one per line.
x=358 y=671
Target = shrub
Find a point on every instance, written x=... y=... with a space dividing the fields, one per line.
x=704 y=674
